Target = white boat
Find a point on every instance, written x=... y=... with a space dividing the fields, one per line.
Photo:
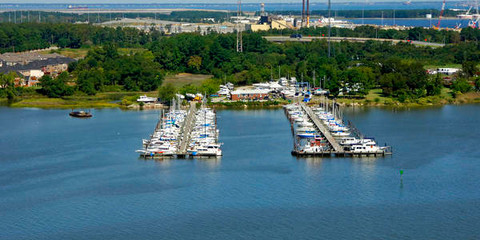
x=306 y=129
x=146 y=99
x=340 y=134
x=307 y=135
x=305 y=124
x=208 y=150
x=348 y=141
x=366 y=148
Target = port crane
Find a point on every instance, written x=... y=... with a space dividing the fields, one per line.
x=440 y=16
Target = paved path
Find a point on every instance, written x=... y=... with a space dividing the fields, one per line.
x=352 y=39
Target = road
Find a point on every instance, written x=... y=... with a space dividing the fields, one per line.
x=352 y=39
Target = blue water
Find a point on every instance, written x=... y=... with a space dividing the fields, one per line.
x=246 y=5
x=66 y=178
x=445 y=23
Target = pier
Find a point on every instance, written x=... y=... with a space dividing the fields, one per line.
x=325 y=144
x=322 y=128
x=183 y=133
x=187 y=130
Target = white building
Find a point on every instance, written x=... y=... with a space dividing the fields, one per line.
x=448 y=71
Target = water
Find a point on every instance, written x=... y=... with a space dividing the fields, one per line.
x=246 y=5
x=66 y=178
x=445 y=23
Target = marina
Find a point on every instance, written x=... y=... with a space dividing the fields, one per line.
x=321 y=131
x=183 y=133
x=75 y=189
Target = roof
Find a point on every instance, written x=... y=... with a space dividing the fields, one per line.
x=38 y=64
x=250 y=91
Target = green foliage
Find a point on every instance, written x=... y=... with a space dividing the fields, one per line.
x=210 y=86
x=56 y=87
x=403 y=79
x=167 y=92
x=189 y=88
x=7 y=84
x=469 y=69
x=461 y=85
x=434 y=85
x=105 y=67
x=477 y=83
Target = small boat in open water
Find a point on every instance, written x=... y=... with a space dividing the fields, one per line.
x=80 y=114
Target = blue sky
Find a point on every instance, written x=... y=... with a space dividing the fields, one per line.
x=189 y=1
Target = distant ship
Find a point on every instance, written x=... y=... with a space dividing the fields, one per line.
x=409 y=2
x=80 y=114
x=77 y=7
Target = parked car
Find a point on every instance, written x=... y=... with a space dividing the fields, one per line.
x=296 y=35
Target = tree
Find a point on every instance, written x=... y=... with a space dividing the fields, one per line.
x=461 y=85
x=167 y=92
x=434 y=85
x=194 y=63
x=57 y=87
x=469 y=69
x=7 y=82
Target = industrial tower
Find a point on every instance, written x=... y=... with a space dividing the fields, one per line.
x=239 y=31
x=305 y=14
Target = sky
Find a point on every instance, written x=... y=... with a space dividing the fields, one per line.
x=190 y=1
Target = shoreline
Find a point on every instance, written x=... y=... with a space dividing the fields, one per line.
x=102 y=102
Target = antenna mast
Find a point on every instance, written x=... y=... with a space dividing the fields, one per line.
x=329 y=27
x=239 y=31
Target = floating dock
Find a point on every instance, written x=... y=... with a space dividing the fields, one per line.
x=183 y=134
x=324 y=144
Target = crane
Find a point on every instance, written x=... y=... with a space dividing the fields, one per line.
x=441 y=14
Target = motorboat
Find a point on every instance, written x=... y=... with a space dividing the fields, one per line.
x=146 y=99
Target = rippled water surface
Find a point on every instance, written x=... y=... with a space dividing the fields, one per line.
x=66 y=178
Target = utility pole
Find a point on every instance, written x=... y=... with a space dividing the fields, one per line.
x=363 y=12
x=313 y=78
x=382 y=18
x=394 y=17
x=329 y=27
x=308 y=13
x=303 y=13
x=239 y=31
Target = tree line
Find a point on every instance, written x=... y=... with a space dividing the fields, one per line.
x=61 y=17
x=396 y=68
x=385 y=13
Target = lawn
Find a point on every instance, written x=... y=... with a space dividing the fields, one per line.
x=69 y=52
x=182 y=79
x=450 y=65
x=61 y=103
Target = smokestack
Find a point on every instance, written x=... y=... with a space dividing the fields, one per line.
x=303 y=12
x=308 y=13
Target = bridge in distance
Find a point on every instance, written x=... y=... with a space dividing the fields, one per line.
x=351 y=39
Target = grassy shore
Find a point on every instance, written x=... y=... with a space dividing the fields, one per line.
x=252 y=104
x=375 y=98
x=182 y=79
x=125 y=99
x=101 y=100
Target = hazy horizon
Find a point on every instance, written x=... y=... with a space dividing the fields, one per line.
x=194 y=1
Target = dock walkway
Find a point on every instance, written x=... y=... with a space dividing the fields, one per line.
x=318 y=123
x=187 y=129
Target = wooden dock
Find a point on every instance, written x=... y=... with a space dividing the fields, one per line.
x=186 y=131
x=336 y=149
x=322 y=128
